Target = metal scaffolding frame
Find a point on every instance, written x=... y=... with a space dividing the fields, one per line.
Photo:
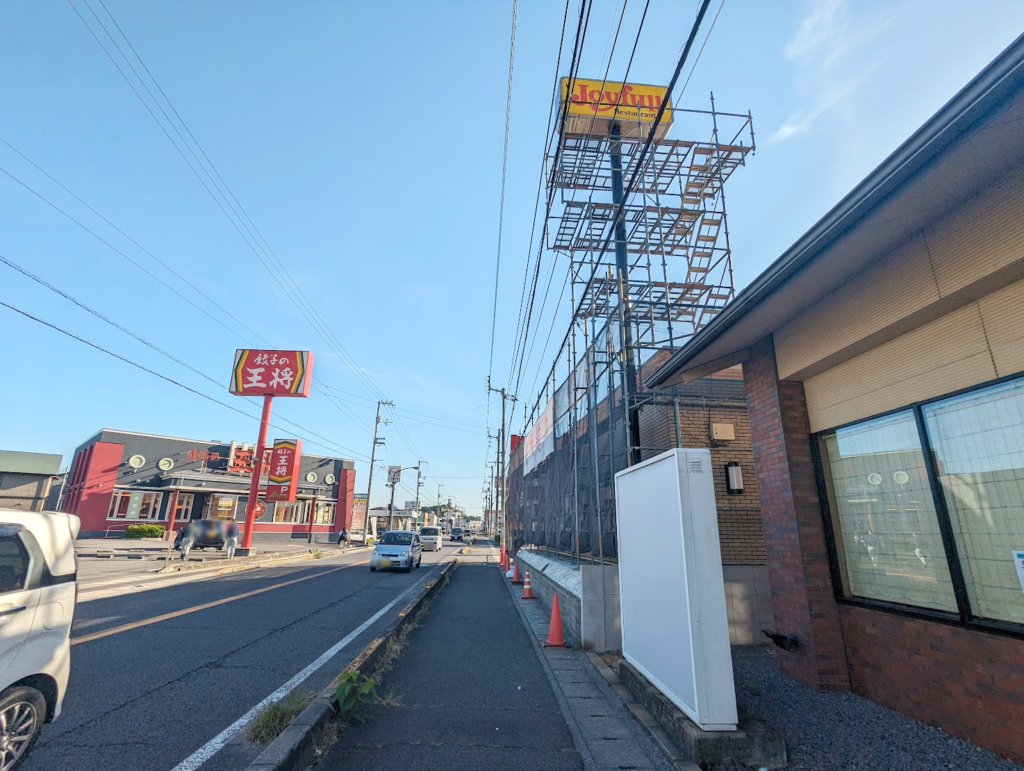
x=640 y=284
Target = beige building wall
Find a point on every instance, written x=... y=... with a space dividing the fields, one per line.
x=24 y=491
x=943 y=312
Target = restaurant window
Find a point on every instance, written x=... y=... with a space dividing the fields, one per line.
x=134 y=505
x=183 y=510
x=119 y=504
x=324 y=513
x=886 y=527
x=220 y=507
x=149 y=506
x=292 y=513
x=978 y=443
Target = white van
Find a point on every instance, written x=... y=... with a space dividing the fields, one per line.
x=37 y=604
x=431 y=537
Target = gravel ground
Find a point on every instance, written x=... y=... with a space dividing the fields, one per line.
x=825 y=731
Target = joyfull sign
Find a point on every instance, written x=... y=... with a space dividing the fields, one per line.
x=284 y=470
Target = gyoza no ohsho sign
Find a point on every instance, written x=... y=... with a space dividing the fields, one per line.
x=271 y=373
x=283 y=481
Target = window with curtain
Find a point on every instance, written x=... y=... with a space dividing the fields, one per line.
x=324 y=513
x=883 y=514
x=291 y=513
x=978 y=443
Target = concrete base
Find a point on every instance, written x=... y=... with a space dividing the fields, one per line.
x=752 y=744
x=242 y=551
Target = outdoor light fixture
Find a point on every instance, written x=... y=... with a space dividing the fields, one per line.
x=733 y=478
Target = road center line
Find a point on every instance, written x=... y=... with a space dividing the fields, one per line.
x=208 y=750
x=197 y=608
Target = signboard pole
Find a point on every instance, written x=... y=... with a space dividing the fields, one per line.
x=629 y=382
x=257 y=472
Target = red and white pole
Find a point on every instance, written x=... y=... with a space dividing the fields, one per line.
x=257 y=472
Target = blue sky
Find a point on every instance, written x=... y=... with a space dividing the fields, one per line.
x=364 y=140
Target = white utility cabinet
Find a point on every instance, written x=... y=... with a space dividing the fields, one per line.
x=674 y=625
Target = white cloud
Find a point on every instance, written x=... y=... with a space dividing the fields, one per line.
x=835 y=55
x=821 y=32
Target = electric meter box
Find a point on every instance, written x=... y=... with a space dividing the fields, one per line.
x=675 y=630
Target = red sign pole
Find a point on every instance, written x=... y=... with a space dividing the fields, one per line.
x=257 y=472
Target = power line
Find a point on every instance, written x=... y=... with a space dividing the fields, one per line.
x=578 y=43
x=504 y=171
x=144 y=368
x=28 y=274
x=268 y=258
x=528 y=356
x=150 y=254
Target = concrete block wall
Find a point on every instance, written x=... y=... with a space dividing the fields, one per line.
x=748 y=602
x=601 y=625
x=544 y=589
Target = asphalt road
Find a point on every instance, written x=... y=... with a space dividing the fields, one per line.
x=148 y=697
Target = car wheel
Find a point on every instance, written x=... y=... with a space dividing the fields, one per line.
x=373 y=570
x=22 y=712
x=408 y=568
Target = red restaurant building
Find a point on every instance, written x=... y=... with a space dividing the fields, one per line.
x=119 y=478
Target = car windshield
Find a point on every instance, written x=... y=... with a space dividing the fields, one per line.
x=396 y=539
x=429 y=531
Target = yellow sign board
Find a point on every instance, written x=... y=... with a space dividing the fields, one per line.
x=626 y=103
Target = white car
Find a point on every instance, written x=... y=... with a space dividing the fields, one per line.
x=399 y=549
x=38 y=590
x=431 y=538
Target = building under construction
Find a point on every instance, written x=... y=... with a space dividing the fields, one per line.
x=641 y=222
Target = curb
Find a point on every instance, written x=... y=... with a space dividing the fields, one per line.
x=295 y=746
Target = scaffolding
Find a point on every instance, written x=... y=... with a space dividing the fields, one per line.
x=649 y=267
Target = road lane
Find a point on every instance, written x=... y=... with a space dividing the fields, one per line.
x=148 y=697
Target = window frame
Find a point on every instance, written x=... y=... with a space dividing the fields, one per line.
x=964 y=617
x=300 y=504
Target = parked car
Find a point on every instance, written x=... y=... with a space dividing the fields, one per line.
x=400 y=549
x=209 y=533
x=457 y=533
x=431 y=538
x=38 y=591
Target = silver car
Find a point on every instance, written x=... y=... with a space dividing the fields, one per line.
x=399 y=549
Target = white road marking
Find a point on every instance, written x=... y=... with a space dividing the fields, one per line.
x=212 y=747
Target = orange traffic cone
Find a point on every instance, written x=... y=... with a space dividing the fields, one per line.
x=555 y=639
x=504 y=560
x=516 y=578
x=527 y=589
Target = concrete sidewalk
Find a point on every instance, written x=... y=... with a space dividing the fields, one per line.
x=471 y=692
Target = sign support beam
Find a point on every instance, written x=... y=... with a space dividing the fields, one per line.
x=257 y=472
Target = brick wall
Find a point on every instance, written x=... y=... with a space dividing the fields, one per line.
x=802 y=594
x=968 y=683
x=701 y=403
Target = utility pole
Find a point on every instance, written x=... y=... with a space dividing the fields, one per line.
x=419 y=484
x=373 y=458
x=502 y=457
x=391 y=506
